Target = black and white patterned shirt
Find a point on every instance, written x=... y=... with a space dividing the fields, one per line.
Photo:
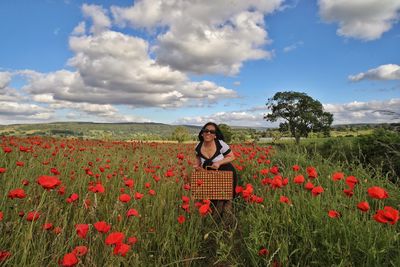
x=223 y=149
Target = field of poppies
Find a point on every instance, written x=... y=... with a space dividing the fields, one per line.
x=69 y=202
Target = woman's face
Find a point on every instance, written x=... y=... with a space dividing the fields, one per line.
x=209 y=133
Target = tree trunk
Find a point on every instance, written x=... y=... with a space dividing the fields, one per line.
x=297 y=138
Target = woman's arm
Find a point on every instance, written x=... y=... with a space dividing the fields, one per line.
x=227 y=158
x=197 y=165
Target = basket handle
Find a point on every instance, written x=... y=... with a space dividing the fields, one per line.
x=210 y=167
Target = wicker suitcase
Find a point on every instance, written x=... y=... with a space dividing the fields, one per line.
x=213 y=185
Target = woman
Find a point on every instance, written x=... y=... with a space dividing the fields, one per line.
x=214 y=152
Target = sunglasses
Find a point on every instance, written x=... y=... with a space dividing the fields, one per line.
x=209 y=131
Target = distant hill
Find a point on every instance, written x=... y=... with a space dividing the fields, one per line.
x=121 y=131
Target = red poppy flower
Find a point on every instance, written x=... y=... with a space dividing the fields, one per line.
x=138 y=195
x=4 y=255
x=115 y=238
x=337 y=176
x=48 y=182
x=312 y=172
x=47 y=226
x=363 y=206
x=377 y=192
x=132 y=240
x=57 y=230
x=296 y=168
x=351 y=181
x=1 y=215
x=69 y=259
x=72 y=198
x=124 y=198
x=299 y=179
x=317 y=190
x=152 y=192
x=54 y=171
x=17 y=193
x=33 y=216
x=3 y=170
x=263 y=252
x=274 y=170
x=129 y=183
x=80 y=251
x=98 y=188
x=284 y=199
x=132 y=212
x=7 y=149
x=82 y=230
x=204 y=209
x=121 y=249
x=387 y=215
x=180 y=156
x=333 y=214
x=348 y=192
x=238 y=189
x=20 y=163
x=185 y=199
x=102 y=226
x=181 y=219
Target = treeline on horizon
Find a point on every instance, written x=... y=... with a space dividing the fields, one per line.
x=165 y=132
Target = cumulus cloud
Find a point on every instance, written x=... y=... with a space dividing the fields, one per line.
x=80 y=29
x=113 y=68
x=383 y=72
x=249 y=117
x=198 y=34
x=14 y=112
x=346 y=113
x=101 y=22
x=5 y=78
x=361 y=19
x=363 y=112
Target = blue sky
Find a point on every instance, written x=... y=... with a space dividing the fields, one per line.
x=189 y=62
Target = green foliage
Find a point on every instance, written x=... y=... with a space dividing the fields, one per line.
x=180 y=134
x=379 y=151
x=226 y=131
x=301 y=114
x=382 y=148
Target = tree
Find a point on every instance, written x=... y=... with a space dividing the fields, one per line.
x=302 y=114
x=226 y=131
x=180 y=134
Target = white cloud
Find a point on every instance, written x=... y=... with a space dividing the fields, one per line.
x=347 y=113
x=250 y=117
x=361 y=19
x=293 y=46
x=198 y=34
x=15 y=112
x=363 y=112
x=5 y=79
x=383 y=72
x=113 y=68
x=101 y=22
x=80 y=29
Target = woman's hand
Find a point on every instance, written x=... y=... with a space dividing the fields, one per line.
x=216 y=165
x=197 y=167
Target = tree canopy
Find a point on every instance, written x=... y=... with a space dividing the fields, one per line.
x=300 y=112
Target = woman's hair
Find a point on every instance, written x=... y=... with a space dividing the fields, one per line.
x=218 y=132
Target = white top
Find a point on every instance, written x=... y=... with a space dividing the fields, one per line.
x=223 y=149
